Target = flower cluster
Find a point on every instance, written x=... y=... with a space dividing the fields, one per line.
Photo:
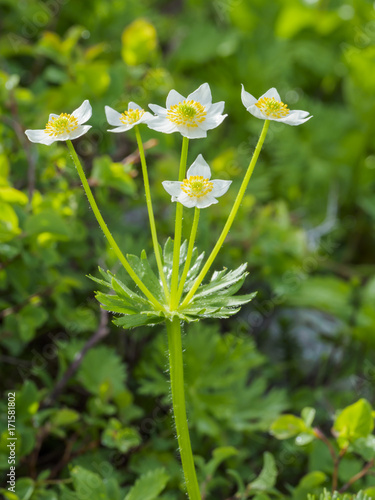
x=192 y=117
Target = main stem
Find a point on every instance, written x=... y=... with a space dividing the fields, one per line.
x=179 y=408
x=106 y=231
x=151 y=212
x=231 y=216
x=178 y=228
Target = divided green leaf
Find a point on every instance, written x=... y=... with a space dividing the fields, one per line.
x=215 y=299
x=148 y=486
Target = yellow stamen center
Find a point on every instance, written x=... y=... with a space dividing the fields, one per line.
x=272 y=108
x=187 y=113
x=196 y=186
x=131 y=116
x=63 y=124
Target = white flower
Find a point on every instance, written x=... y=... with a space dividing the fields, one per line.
x=192 y=117
x=197 y=190
x=63 y=127
x=126 y=120
x=270 y=107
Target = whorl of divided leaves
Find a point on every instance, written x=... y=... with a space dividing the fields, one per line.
x=216 y=299
x=88 y=484
x=327 y=495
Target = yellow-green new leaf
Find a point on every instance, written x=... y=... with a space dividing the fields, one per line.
x=354 y=422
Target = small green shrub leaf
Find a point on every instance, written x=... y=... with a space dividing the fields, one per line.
x=268 y=475
x=287 y=426
x=148 y=486
x=354 y=422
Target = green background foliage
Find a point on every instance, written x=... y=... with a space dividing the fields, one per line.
x=306 y=229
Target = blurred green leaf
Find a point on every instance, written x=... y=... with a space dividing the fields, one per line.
x=268 y=475
x=139 y=42
x=112 y=175
x=88 y=484
x=11 y=195
x=308 y=415
x=27 y=401
x=354 y=422
x=47 y=222
x=9 y=227
x=148 y=486
x=219 y=455
x=287 y=426
x=63 y=417
x=102 y=372
x=311 y=483
x=119 y=437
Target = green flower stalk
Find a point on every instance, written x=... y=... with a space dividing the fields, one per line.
x=178 y=228
x=151 y=213
x=189 y=254
x=105 y=229
x=231 y=216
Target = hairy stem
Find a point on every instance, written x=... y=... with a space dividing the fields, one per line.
x=179 y=407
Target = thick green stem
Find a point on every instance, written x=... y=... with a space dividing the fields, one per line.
x=179 y=408
x=178 y=224
x=231 y=216
x=106 y=231
x=151 y=213
x=193 y=234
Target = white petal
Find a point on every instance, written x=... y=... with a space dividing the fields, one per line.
x=113 y=116
x=216 y=109
x=295 y=118
x=158 y=110
x=83 y=113
x=300 y=113
x=199 y=167
x=161 y=124
x=247 y=99
x=52 y=115
x=192 y=132
x=82 y=129
x=187 y=201
x=255 y=111
x=202 y=95
x=213 y=122
x=145 y=118
x=174 y=98
x=39 y=136
x=271 y=93
x=220 y=187
x=206 y=201
x=134 y=105
x=172 y=187
x=122 y=128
